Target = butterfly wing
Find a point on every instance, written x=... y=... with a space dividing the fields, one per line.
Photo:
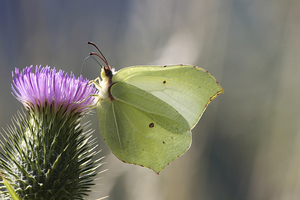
x=186 y=88
x=149 y=118
x=141 y=129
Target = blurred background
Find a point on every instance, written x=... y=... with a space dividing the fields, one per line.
x=247 y=144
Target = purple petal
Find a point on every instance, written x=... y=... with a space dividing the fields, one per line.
x=45 y=86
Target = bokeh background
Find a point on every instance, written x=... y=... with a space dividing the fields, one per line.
x=247 y=144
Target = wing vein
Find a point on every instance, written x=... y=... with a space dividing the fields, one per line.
x=140 y=132
x=117 y=128
x=148 y=111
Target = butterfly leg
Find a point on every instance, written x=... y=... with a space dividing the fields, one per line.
x=91 y=107
x=96 y=82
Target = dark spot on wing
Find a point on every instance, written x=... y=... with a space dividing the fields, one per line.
x=151 y=125
x=164 y=142
x=164 y=82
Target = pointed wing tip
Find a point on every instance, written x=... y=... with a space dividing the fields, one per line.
x=155 y=170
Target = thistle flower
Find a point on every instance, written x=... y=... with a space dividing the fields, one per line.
x=46 y=154
x=47 y=87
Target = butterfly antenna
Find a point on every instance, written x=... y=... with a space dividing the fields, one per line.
x=101 y=56
x=86 y=60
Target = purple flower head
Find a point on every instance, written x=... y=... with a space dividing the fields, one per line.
x=48 y=87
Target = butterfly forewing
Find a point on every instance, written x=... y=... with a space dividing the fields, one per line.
x=188 y=89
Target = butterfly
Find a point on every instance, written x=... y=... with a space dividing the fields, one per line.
x=146 y=113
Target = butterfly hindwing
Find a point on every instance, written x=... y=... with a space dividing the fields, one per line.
x=141 y=129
